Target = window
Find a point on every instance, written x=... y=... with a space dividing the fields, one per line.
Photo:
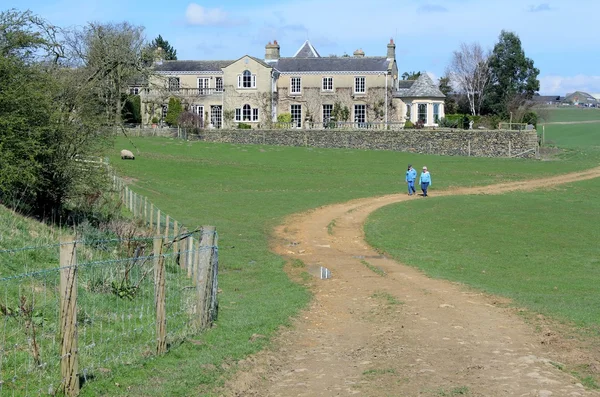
x=436 y=113
x=360 y=113
x=327 y=84
x=173 y=83
x=359 y=85
x=327 y=109
x=165 y=109
x=219 y=84
x=408 y=111
x=247 y=80
x=134 y=91
x=203 y=84
x=422 y=113
x=246 y=113
x=295 y=85
x=296 y=111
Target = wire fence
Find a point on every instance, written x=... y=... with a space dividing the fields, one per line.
x=101 y=304
x=76 y=310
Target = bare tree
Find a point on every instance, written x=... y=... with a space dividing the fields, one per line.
x=111 y=55
x=469 y=70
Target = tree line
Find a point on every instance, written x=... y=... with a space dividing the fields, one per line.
x=61 y=102
x=500 y=82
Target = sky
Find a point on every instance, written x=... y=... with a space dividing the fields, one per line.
x=562 y=38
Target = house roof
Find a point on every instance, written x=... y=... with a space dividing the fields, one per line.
x=191 y=66
x=332 y=64
x=546 y=98
x=580 y=97
x=423 y=87
x=307 y=51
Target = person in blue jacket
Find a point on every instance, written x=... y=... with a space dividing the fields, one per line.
x=411 y=176
x=425 y=181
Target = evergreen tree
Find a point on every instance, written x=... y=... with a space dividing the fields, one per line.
x=169 y=53
x=513 y=75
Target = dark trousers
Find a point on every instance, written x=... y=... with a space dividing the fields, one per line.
x=424 y=186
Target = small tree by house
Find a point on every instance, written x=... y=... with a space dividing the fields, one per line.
x=174 y=111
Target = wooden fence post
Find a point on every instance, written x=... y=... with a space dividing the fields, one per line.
x=68 y=316
x=157 y=221
x=509 y=148
x=189 y=256
x=159 y=296
x=203 y=286
x=131 y=200
x=182 y=248
x=151 y=216
x=167 y=226
x=175 y=237
x=145 y=210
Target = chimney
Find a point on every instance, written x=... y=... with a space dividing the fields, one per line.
x=391 y=50
x=272 y=51
x=359 y=53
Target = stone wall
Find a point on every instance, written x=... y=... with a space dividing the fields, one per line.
x=478 y=143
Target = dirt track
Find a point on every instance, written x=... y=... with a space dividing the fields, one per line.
x=404 y=334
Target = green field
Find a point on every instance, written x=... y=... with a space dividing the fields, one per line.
x=570 y=114
x=245 y=191
x=538 y=248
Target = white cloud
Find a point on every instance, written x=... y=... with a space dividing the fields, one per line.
x=561 y=85
x=540 y=8
x=195 y=14
x=431 y=8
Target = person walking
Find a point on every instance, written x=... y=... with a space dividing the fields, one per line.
x=411 y=176
x=425 y=181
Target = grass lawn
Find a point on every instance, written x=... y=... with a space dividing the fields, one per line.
x=574 y=136
x=245 y=190
x=538 y=248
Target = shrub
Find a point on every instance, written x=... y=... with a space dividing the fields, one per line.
x=419 y=125
x=408 y=124
x=530 y=118
x=284 y=118
x=244 y=126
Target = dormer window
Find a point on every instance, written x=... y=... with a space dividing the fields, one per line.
x=246 y=80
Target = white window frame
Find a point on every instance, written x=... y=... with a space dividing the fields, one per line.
x=327 y=84
x=436 y=113
x=360 y=85
x=246 y=80
x=218 y=84
x=419 y=113
x=203 y=85
x=363 y=113
x=323 y=113
x=247 y=114
x=292 y=113
x=172 y=86
x=134 y=91
x=295 y=85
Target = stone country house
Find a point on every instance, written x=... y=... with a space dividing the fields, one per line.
x=312 y=89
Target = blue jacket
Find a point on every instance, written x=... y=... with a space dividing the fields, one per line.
x=425 y=177
x=411 y=175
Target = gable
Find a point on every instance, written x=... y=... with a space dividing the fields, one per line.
x=247 y=62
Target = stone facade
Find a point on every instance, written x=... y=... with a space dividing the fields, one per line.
x=449 y=142
x=306 y=86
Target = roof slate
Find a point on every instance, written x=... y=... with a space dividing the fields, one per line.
x=332 y=64
x=423 y=87
x=307 y=51
x=192 y=66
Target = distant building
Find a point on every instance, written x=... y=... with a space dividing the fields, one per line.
x=579 y=98
x=307 y=86
x=552 y=100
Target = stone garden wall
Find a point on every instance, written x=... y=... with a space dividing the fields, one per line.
x=450 y=142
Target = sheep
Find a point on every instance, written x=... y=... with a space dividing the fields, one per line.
x=127 y=155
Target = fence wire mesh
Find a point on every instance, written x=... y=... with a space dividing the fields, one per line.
x=116 y=305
